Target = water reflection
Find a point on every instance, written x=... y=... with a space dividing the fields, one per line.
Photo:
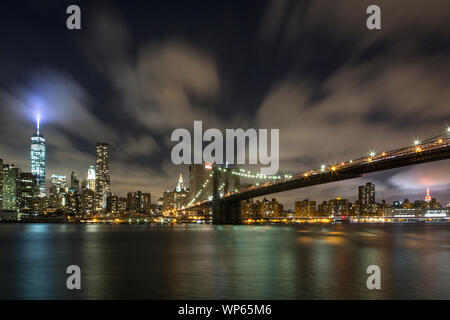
x=224 y=262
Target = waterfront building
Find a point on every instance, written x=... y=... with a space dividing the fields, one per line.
x=58 y=192
x=270 y=208
x=406 y=204
x=112 y=204
x=397 y=204
x=40 y=204
x=181 y=199
x=122 y=205
x=338 y=206
x=11 y=187
x=83 y=185
x=87 y=201
x=74 y=182
x=366 y=199
x=134 y=200
x=168 y=201
x=28 y=191
x=322 y=208
x=305 y=208
x=102 y=176
x=73 y=203
x=146 y=202
x=58 y=184
x=156 y=209
x=249 y=209
x=91 y=178
x=434 y=204
x=181 y=194
x=436 y=212
x=176 y=199
x=355 y=209
x=384 y=208
x=418 y=212
x=138 y=202
x=57 y=201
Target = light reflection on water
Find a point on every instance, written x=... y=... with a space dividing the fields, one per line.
x=224 y=262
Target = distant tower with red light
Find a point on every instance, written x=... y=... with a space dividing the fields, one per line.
x=428 y=197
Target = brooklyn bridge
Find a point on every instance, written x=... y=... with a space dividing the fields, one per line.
x=226 y=204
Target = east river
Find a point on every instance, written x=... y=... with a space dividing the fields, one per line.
x=195 y=261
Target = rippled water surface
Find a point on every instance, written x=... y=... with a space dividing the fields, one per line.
x=225 y=262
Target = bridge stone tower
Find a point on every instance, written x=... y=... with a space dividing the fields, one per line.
x=224 y=211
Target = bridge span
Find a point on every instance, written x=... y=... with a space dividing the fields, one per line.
x=227 y=208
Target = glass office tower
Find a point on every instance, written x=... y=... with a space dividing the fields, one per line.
x=37 y=159
x=102 y=179
x=91 y=177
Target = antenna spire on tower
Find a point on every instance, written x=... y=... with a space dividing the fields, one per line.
x=428 y=197
x=180 y=185
x=38 y=120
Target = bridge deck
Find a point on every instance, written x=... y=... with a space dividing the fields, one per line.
x=412 y=155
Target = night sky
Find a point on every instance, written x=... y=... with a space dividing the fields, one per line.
x=137 y=70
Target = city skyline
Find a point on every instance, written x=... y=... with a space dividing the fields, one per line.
x=102 y=177
x=133 y=87
x=97 y=187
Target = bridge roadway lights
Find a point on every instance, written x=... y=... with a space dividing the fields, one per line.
x=226 y=212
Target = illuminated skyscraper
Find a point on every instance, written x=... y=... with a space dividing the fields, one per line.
x=74 y=183
x=428 y=197
x=271 y=208
x=146 y=202
x=134 y=200
x=91 y=177
x=305 y=208
x=176 y=199
x=87 y=201
x=37 y=159
x=112 y=204
x=366 y=198
x=11 y=187
x=338 y=206
x=180 y=185
x=138 y=202
x=27 y=191
x=102 y=176
x=58 y=184
x=122 y=205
